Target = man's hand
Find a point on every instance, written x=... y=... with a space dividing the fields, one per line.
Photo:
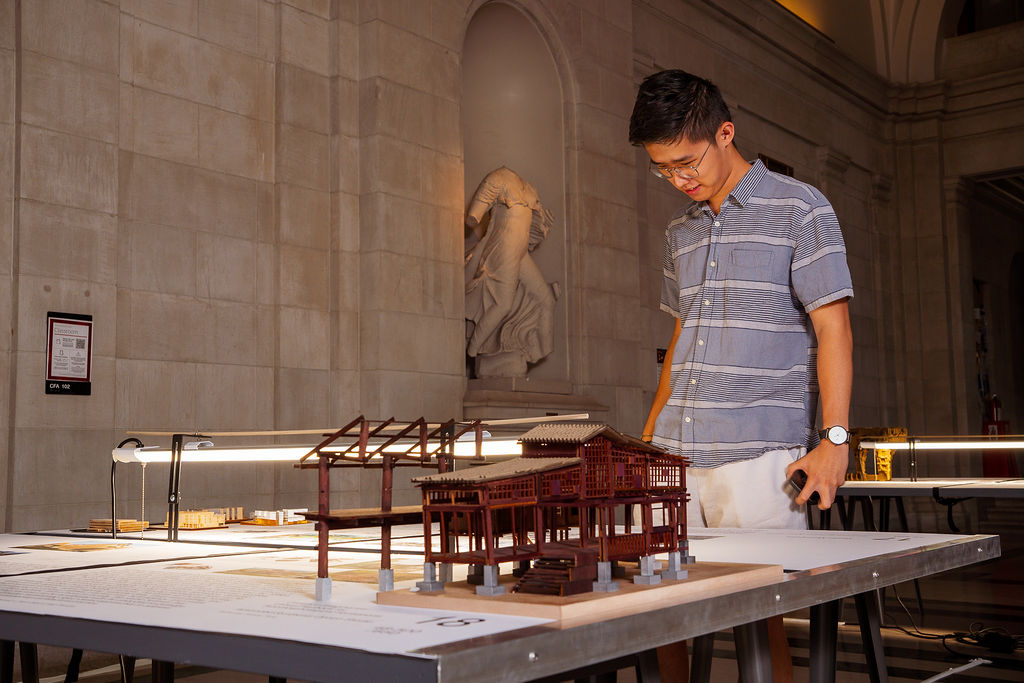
x=825 y=467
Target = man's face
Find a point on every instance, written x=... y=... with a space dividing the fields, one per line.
x=703 y=160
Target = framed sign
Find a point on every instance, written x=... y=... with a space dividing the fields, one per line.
x=68 y=354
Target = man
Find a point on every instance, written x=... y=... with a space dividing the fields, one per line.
x=755 y=274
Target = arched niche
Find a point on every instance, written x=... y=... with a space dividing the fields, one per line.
x=513 y=114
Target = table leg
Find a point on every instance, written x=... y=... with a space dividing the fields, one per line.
x=753 y=654
x=74 y=666
x=949 y=503
x=845 y=512
x=901 y=514
x=867 y=513
x=647 y=670
x=883 y=513
x=163 y=672
x=823 y=641
x=29 y=662
x=6 y=661
x=871 y=635
x=703 y=651
x=127 y=668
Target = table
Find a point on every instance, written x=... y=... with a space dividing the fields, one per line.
x=947 y=492
x=519 y=652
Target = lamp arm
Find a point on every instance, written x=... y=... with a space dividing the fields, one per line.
x=113 y=487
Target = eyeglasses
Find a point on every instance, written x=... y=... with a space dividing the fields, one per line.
x=666 y=172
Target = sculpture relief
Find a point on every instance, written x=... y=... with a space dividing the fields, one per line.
x=509 y=305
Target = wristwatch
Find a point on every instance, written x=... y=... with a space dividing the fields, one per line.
x=836 y=434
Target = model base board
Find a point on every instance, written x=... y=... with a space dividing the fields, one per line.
x=706 y=579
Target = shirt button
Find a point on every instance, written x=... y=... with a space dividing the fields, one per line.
x=707 y=302
x=717 y=224
x=693 y=381
x=700 y=342
x=712 y=264
x=687 y=419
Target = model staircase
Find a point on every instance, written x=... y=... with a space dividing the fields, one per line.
x=559 y=576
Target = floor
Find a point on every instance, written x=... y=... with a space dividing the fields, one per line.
x=980 y=599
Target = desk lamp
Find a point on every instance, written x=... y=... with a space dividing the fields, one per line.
x=944 y=443
x=198 y=447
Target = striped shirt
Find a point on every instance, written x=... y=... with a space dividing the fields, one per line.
x=744 y=369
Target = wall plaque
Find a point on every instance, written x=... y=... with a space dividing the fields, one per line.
x=68 y=354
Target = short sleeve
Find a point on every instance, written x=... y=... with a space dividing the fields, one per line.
x=819 y=269
x=669 y=282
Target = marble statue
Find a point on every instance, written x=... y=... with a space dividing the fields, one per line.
x=509 y=305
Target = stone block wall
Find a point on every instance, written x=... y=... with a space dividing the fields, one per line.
x=8 y=204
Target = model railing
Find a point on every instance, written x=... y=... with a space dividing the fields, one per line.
x=453 y=497
x=521 y=489
x=628 y=470
x=665 y=474
x=632 y=545
x=623 y=545
x=561 y=483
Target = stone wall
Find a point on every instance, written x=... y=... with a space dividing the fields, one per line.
x=8 y=281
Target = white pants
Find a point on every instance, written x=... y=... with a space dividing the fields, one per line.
x=752 y=494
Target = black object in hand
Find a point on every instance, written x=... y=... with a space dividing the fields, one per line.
x=799 y=480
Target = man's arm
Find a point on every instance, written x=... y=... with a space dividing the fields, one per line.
x=664 y=385
x=826 y=465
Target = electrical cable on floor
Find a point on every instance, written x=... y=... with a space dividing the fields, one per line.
x=917 y=632
x=993 y=638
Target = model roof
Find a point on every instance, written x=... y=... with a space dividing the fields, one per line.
x=582 y=432
x=515 y=467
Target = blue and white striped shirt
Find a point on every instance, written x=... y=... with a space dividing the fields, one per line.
x=744 y=369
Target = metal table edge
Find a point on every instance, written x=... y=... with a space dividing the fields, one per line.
x=549 y=649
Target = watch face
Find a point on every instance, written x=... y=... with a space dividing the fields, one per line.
x=837 y=435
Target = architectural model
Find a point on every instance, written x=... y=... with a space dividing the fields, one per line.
x=556 y=506
x=384 y=444
x=123 y=525
x=278 y=517
x=199 y=519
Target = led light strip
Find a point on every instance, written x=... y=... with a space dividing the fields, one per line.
x=490 y=447
x=944 y=445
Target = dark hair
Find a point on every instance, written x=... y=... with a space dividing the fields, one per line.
x=672 y=105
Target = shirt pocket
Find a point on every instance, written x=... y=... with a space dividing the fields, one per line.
x=752 y=259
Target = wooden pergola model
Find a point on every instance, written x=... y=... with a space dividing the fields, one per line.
x=559 y=501
x=384 y=445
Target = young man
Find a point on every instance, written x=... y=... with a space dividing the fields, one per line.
x=755 y=274
x=756 y=277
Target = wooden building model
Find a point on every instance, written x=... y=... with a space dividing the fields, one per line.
x=556 y=506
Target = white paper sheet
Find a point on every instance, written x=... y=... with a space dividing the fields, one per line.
x=798 y=550
x=291 y=535
x=250 y=595
x=24 y=553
